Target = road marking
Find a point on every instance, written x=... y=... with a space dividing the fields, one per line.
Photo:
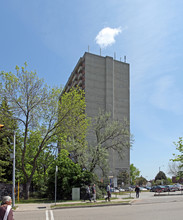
x=51 y=214
x=47 y=217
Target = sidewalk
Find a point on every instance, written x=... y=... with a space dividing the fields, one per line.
x=145 y=198
x=46 y=206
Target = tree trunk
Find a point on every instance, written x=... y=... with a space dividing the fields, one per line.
x=26 y=189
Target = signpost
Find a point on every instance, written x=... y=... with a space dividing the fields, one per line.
x=13 y=190
x=56 y=170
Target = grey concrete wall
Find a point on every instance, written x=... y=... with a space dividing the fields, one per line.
x=94 y=84
x=107 y=88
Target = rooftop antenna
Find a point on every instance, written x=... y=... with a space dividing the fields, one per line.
x=114 y=55
x=100 y=51
x=124 y=59
x=88 y=48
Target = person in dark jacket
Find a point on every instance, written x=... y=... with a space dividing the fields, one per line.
x=6 y=212
x=137 y=190
x=88 y=193
x=108 y=193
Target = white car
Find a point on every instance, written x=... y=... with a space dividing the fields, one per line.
x=121 y=190
x=178 y=186
x=142 y=189
x=116 y=190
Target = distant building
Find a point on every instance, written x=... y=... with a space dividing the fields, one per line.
x=177 y=180
x=106 y=85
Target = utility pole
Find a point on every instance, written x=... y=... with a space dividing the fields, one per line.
x=13 y=189
x=56 y=170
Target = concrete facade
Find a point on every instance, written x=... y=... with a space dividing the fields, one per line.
x=106 y=84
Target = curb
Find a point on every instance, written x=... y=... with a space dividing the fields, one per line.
x=90 y=206
x=163 y=194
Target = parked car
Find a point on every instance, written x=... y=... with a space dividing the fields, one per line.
x=153 y=188
x=170 y=188
x=129 y=188
x=178 y=186
x=158 y=189
x=116 y=190
x=142 y=189
x=121 y=189
x=148 y=187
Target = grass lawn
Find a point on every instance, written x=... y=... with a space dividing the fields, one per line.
x=89 y=204
x=34 y=200
x=44 y=200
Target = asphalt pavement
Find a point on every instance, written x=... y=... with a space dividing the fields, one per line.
x=145 y=198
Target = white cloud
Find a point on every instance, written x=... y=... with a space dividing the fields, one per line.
x=106 y=36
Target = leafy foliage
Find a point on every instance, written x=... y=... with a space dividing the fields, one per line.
x=70 y=175
x=6 y=141
x=134 y=173
x=179 y=147
x=123 y=177
x=110 y=135
x=175 y=169
x=73 y=130
x=41 y=117
x=160 y=176
x=140 y=181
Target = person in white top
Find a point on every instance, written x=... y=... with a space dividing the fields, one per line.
x=6 y=212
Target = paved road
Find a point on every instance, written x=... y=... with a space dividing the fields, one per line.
x=146 y=207
x=155 y=211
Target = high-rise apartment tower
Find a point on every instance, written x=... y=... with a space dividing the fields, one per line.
x=106 y=84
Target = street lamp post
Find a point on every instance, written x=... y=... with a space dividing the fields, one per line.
x=13 y=189
x=56 y=170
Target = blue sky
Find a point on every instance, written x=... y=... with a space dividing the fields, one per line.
x=52 y=35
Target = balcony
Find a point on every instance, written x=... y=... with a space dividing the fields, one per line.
x=80 y=75
x=80 y=83
x=79 y=69
x=67 y=89
x=74 y=77
x=74 y=84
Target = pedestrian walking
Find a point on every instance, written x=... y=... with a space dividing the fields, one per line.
x=108 y=193
x=94 y=192
x=137 y=190
x=88 y=193
x=6 y=212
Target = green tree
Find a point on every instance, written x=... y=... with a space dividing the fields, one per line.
x=140 y=181
x=72 y=133
x=175 y=168
x=111 y=135
x=41 y=116
x=160 y=176
x=179 y=147
x=169 y=181
x=134 y=174
x=70 y=175
x=6 y=140
x=123 y=177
